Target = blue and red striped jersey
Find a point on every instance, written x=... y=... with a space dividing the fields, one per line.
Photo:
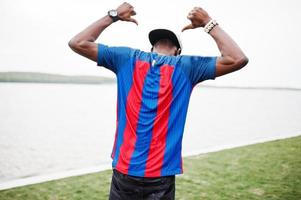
x=152 y=102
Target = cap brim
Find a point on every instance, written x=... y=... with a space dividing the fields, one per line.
x=158 y=34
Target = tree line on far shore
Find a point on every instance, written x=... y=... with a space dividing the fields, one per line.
x=37 y=77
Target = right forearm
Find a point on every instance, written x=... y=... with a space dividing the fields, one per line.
x=92 y=32
x=84 y=42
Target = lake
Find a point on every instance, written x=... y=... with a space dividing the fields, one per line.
x=48 y=129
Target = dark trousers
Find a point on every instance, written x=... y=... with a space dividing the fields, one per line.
x=125 y=187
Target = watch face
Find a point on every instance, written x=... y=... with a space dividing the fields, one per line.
x=113 y=13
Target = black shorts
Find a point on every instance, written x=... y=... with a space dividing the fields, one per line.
x=125 y=187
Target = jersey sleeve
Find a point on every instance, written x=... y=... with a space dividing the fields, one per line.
x=199 y=68
x=112 y=58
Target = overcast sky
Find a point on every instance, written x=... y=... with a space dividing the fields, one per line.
x=34 y=35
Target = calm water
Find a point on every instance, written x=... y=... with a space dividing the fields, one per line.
x=49 y=128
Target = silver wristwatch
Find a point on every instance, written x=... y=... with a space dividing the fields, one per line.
x=114 y=15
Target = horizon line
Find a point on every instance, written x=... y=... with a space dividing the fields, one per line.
x=262 y=87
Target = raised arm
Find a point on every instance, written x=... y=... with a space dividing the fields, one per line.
x=232 y=58
x=84 y=42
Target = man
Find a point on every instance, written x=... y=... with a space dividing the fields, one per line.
x=153 y=94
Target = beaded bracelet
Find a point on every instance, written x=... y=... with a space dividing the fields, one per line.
x=210 y=25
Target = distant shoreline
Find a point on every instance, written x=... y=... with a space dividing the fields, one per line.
x=251 y=87
x=37 y=77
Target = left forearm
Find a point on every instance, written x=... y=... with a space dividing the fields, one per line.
x=227 y=46
x=232 y=58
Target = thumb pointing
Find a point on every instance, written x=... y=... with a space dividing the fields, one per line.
x=133 y=20
x=189 y=26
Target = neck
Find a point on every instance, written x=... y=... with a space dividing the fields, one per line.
x=164 y=51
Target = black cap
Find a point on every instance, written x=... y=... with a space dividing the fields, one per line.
x=158 y=34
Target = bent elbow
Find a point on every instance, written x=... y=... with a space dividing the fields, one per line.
x=77 y=44
x=241 y=62
x=73 y=44
x=244 y=61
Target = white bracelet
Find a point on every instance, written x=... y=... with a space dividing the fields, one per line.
x=210 y=25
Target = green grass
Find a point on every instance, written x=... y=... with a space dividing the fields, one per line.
x=264 y=171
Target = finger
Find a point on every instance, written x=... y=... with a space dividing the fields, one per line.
x=191 y=12
x=133 y=13
x=126 y=4
x=189 y=17
x=130 y=6
x=133 y=20
x=189 y=26
x=197 y=8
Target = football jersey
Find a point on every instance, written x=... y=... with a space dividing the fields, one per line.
x=153 y=93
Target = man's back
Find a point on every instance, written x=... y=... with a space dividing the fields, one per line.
x=153 y=97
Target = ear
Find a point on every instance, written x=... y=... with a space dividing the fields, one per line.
x=179 y=51
x=152 y=49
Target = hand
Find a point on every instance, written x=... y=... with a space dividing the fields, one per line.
x=198 y=18
x=125 y=12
